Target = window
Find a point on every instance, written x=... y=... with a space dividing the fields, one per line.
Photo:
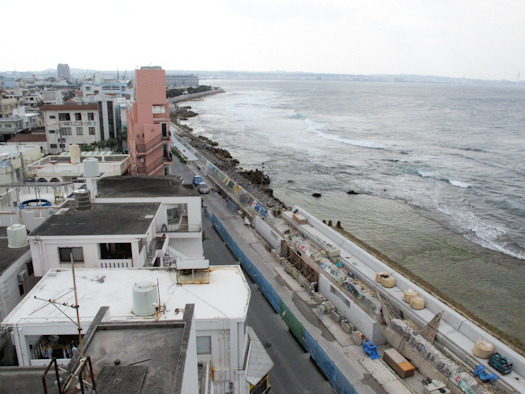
x=91 y=116
x=204 y=345
x=159 y=109
x=52 y=117
x=65 y=130
x=64 y=117
x=113 y=251
x=53 y=146
x=78 y=116
x=64 y=255
x=80 y=130
x=51 y=131
x=91 y=131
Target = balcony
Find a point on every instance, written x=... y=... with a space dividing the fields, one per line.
x=116 y=263
x=143 y=148
x=179 y=228
x=142 y=168
x=167 y=157
x=165 y=135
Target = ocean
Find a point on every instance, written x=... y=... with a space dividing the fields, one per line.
x=439 y=171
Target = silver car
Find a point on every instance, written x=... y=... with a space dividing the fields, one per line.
x=203 y=188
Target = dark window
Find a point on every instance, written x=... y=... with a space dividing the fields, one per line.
x=53 y=146
x=91 y=131
x=21 y=288
x=30 y=269
x=91 y=116
x=78 y=116
x=113 y=251
x=64 y=117
x=65 y=255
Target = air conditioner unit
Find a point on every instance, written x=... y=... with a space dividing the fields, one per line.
x=22 y=275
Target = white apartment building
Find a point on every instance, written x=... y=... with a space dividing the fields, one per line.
x=69 y=124
x=223 y=342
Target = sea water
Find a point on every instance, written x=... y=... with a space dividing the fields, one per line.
x=439 y=171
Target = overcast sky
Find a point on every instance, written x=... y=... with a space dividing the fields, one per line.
x=457 y=38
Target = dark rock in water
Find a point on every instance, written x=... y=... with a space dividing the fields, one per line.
x=324 y=221
x=290 y=181
x=351 y=192
x=330 y=223
x=316 y=194
x=338 y=224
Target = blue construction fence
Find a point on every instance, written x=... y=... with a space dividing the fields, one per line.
x=334 y=375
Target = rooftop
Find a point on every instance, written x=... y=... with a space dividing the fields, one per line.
x=28 y=138
x=24 y=380
x=9 y=255
x=113 y=288
x=103 y=219
x=143 y=186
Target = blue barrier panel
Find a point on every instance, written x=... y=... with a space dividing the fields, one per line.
x=268 y=291
x=334 y=375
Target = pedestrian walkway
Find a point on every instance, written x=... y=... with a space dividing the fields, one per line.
x=364 y=374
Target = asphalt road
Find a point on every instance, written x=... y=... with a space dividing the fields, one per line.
x=293 y=371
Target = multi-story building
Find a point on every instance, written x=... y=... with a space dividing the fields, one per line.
x=7 y=104
x=63 y=71
x=52 y=97
x=17 y=122
x=148 y=117
x=69 y=124
x=110 y=88
x=109 y=114
x=182 y=81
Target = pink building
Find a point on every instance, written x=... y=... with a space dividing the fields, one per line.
x=149 y=137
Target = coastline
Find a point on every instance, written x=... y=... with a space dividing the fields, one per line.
x=228 y=165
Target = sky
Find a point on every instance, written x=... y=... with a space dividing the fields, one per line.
x=482 y=39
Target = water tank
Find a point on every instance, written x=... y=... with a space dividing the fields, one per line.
x=91 y=167
x=82 y=199
x=144 y=298
x=16 y=236
x=74 y=154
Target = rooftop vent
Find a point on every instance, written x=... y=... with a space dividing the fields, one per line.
x=83 y=200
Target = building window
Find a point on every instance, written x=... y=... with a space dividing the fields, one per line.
x=53 y=146
x=64 y=117
x=80 y=130
x=52 y=117
x=113 y=251
x=51 y=131
x=91 y=116
x=65 y=255
x=30 y=269
x=91 y=131
x=204 y=345
x=159 y=109
x=78 y=116
x=65 y=130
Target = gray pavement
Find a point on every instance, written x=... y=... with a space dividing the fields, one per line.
x=293 y=371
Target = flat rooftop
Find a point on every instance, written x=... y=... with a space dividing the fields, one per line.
x=225 y=296
x=143 y=186
x=151 y=355
x=7 y=255
x=25 y=380
x=103 y=219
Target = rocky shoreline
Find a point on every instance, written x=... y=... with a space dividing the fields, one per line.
x=257 y=184
x=254 y=181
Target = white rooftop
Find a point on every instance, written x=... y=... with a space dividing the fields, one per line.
x=226 y=296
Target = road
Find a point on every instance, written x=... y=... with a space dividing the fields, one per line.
x=293 y=371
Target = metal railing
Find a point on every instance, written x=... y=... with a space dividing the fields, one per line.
x=143 y=148
x=142 y=169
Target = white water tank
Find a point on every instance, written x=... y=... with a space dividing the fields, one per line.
x=91 y=167
x=144 y=298
x=74 y=154
x=16 y=236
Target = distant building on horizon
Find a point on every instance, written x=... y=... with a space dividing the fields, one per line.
x=63 y=71
x=182 y=81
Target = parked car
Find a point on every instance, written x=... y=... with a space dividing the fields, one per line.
x=203 y=188
x=197 y=180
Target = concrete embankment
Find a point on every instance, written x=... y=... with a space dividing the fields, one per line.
x=194 y=96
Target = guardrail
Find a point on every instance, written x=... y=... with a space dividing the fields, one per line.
x=143 y=148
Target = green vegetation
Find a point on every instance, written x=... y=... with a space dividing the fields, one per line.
x=112 y=143
x=179 y=92
x=181 y=158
